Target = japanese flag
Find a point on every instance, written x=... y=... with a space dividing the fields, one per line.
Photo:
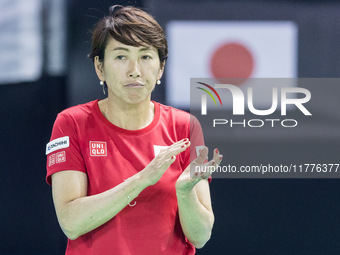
x=228 y=49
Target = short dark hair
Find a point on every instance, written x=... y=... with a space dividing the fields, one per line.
x=131 y=26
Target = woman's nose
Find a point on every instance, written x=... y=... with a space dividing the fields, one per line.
x=134 y=69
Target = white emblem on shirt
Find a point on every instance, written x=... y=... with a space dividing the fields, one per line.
x=56 y=144
x=198 y=150
x=157 y=149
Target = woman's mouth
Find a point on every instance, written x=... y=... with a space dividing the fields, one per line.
x=134 y=85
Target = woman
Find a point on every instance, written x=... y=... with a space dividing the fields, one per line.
x=119 y=167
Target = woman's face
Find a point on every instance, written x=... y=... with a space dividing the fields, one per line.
x=129 y=72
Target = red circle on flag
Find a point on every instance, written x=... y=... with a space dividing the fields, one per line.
x=232 y=60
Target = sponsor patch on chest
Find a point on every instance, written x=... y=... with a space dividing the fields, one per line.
x=98 y=149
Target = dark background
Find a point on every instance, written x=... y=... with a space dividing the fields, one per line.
x=253 y=216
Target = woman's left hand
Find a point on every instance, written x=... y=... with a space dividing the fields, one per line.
x=198 y=170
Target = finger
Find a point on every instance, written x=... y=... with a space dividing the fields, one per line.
x=178 y=149
x=170 y=160
x=185 y=140
x=202 y=156
x=176 y=145
x=209 y=168
x=175 y=149
x=217 y=157
x=166 y=163
x=202 y=171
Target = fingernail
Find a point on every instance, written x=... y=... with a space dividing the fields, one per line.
x=216 y=151
x=186 y=143
x=213 y=163
x=221 y=157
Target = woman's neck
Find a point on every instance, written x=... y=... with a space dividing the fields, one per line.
x=128 y=116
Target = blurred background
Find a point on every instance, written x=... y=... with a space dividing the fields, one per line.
x=44 y=69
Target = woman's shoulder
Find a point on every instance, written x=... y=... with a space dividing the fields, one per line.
x=180 y=115
x=81 y=110
x=170 y=109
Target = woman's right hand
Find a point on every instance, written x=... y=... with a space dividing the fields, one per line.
x=157 y=167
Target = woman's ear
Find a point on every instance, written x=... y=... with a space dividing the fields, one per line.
x=161 y=71
x=99 y=67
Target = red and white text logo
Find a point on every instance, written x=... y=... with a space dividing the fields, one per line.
x=60 y=157
x=98 y=149
x=57 y=158
x=51 y=160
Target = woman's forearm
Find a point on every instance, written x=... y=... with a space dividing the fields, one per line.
x=196 y=220
x=84 y=214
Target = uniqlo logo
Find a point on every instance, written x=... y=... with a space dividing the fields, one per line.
x=60 y=157
x=51 y=160
x=98 y=149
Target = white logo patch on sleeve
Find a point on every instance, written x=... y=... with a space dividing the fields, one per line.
x=56 y=144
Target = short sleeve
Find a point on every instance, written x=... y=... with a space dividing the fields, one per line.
x=195 y=135
x=63 y=151
x=196 y=140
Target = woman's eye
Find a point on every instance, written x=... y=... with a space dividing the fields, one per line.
x=146 y=57
x=120 y=57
